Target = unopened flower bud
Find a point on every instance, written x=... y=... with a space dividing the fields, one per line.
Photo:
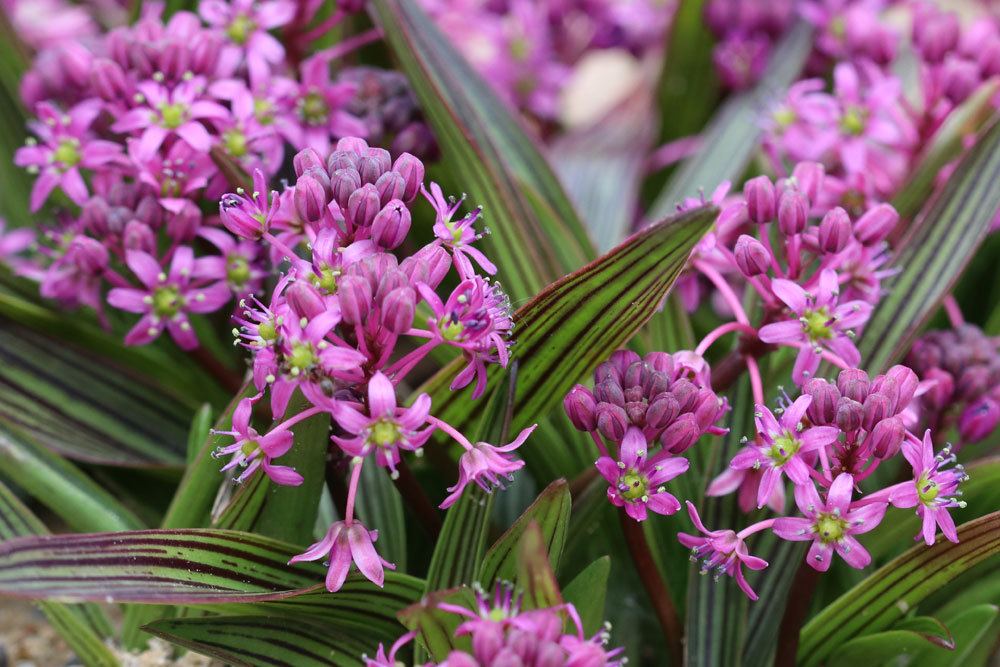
x=635 y=374
x=834 y=231
x=636 y=411
x=355 y=295
x=935 y=34
x=972 y=382
x=706 y=408
x=793 y=212
x=343 y=183
x=607 y=371
x=662 y=410
x=353 y=145
x=979 y=419
x=429 y=265
x=611 y=421
x=850 y=414
x=877 y=407
x=89 y=254
x=411 y=169
x=761 y=199
x=876 y=224
x=309 y=198
x=661 y=362
x=398 y=309
x=853 y=383
x=139 y=236
x=684 y=391
x=655 y=382
x=307 y=159
x=304 y=299
x=809 y=178
x=363 y=206
x=370 y=169
x=887 y=436
x=580 y=406
x=109 y=80
x=752 y=257
x=942 y=392
x=341 y=160
x=391 y=225
x=681 y=435
x=906 y=385
x=825 y=396
x=381 y=157
x=609 y=391
x=622 y=359
x=390 y=186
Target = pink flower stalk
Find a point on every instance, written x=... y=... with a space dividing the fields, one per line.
x=457 y=236
x=252 y=450
x=636 y=479
x=166 y=298
x=820 y=323
x=831 y=526
x=250 y=217
x=344 y=542
x=66 y=147
x=246 y=24
x=386 y=429
x=178 y=112
x=721 y=551
x=484 y=464
x=781 y=447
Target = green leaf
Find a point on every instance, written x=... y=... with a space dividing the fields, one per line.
x=436 y=628
x=729 y=141
x=878 y=648
x=587 y=593
x=933 y=254
x=83 y=626
x=258 y=640
x=60 y=485
x=200 y=426
x=188 y=566
x=381 y=505
x=550 y=513
x=975 y=633
x=576 y=322
x=887 y=595
x=87 y=407
x=535 y=576
x=536 y=235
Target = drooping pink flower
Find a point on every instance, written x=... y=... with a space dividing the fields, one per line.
x=485 y=464
x=636 y=480
x=831 y=526
x=166 y=298
x=252 y=450
x=345 y=542
x=721 y=551
x=781 y=447
x=250 y=217
x=820 y=323
x=386 y=428
x=66 y=147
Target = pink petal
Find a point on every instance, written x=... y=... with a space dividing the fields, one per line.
x=806 y=364
x=43 y=187
x=364 y=554
x=195 y=135
x=788 y=331
x=128 y=299
x=793 y=528
x=381 y=396
x=182 y=333
x=208 y=299
x=853 y=553
x=791 y=294
x=865 y=518
x=663 y=503
x=817 y=437
x=793 y=413
x=282 y=475
x=839 y=495
x=143 y=332
x=633 y=447
x=144 y=267
x=820 y=555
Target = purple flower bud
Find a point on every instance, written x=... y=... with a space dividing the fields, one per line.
x=343 y=183
x=370 y=169
x=809 y=177
x=834 y=230
x=793 y=212
x=109 y=81
x=706 y=408
x=906 y=383
x=935 y=34
x=636 y=411
x=89 y=254
x=887 y=436
x=309 y=198
x=960 y=78
x=661 y=362
x=304 y=299
x=363 y=205
x=307 y=159
x=609 y=391
x=622 y=359
x=877 y=407
x=607 y=371
x=381 y=157
x=148 y=210
x=979 y=419
x=353 y=145
x=972 y=382
x=388 y=280
x=850 y=414
x=941 y=394
x=825 y=396
x=760 y=196
x=390 y=185
x=634 y=374
x=429 y=265
x=611 y=421
x=398 y=309
x=139 y=236
x=662 y=410
x=685 y=392
x=752 y=257
x=412 y=171
x=655 y=382
x=679 y=436
x=876 y=224
x=853 y=383
x=580 y=406
x=391 y=225
x=355 y=295
x=341 y=160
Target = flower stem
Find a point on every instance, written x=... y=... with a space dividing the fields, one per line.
x=352 y=489
x=655 y=586
x=720 y=331
x=953 y=311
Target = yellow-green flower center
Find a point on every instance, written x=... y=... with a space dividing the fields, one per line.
x=167 y=301
x=238 y=271
x=302 y=358
x=235 y=142
x=241 y=28
x=817 y=324
x=785 y=446
x=451 y=330
x=268 y=331
x=263 y=111
x=853 y=121
x=67 y=154
x=314 y=109
x=327 y=280
x=927 y=490
x=172 y=115
x=384 y=433
x=830 y=527
x=784 y=117
x=636 y=483
x=249 y=447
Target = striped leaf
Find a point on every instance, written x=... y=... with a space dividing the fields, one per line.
x=87 y=407
x=259 y=640
x=576 y=322
x=729 y=141
x=550 y=513
x=933 y=254
x=153 y=566
x=536 y=235
x=886 y=596
x=587 y=592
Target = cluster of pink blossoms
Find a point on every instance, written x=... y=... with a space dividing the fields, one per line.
x=341 y=326
x=135 y=128
x=503 y=634
x=527 y=49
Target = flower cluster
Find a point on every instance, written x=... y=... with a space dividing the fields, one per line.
x=342 y=326
x=643 y=413
x=527 y=49
x=962 y=368
x=502 y=633
x=135 y=128
x=746 y=32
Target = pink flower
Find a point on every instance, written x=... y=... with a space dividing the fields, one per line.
x=722 y=551
x=250 y=218
x=820 y=323
x=166 y=298
x=344 y=542
x=781 y=447
x=457 y=236
x=831 y=525
x=386 y=428
x=66 y=147
x=252 y=450
x=246 y=24
x=236 y=263
x=637 y=480
x=485 y=464
x=319 y=108
x=175 y=177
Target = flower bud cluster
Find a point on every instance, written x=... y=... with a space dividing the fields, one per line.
x=746 y=33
